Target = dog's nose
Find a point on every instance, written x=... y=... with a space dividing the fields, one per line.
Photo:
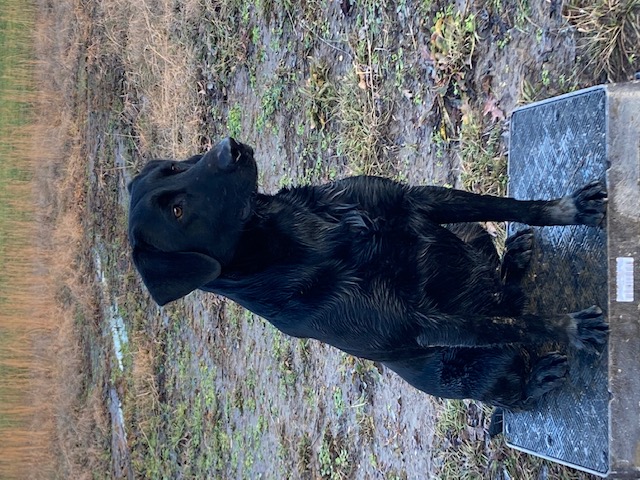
x=222 y=155
x=226 y=154
x=237 y=149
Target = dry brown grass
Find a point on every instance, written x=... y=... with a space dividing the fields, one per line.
x=80 y=431
x=160 y=107
x=58 y=426
x=610 y=32
x=160 y=71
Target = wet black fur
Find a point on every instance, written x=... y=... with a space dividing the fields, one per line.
x=366 y=265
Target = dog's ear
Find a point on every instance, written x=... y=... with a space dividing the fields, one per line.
x=170 y=276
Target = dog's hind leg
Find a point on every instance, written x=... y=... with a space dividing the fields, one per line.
x=476 y=236
x=515 y=262
x=547 y=374
x=509 y=377
x=517 y=256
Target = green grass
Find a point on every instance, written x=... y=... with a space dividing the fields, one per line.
x=234 y=121
x=271 y=101
x=333 y=458
x=484 y=163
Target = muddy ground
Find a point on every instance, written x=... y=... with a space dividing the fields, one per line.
x=416 y=90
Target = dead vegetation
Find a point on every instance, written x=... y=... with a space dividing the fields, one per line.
x=59 y=425
x=609 y=34
x=159 y=70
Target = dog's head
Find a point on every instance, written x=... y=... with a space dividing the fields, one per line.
x=185 y=218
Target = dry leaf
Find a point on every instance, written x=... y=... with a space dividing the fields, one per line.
x=491 y=107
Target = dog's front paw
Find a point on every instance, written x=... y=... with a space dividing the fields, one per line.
x=590 y=202
x=587 y=329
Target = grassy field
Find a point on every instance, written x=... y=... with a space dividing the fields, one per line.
x=96 y=381
x=20 y=312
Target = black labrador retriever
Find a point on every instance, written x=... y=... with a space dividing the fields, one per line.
x=366 y=265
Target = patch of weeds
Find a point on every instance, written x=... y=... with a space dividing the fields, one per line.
x=333 y=459
x=304 y=452
x=463 y=453
x=530 y=93
x=460 y=441
x=234 y=121
x=441 y=140
x=288 y=375
x=546 y=86
x=484 y=165
x=373 y=461
x=504 y=41
x=251 y=379
x=279 y=345
x=285 y=180
x=237 y=398
x=522 y=14
x=338 y=401
x=317 y=157
x=255 y=35
x=195 y=423
x=310 y=397
x=363 y=110
x=283 y=357
x=248 y=462
x=245 y=13
x=270 y=102
x=225 y=41
x=398 y=66
x=234 y=315
x=366 y=423
x=453 y=45
x=274 y=43
x=366 y=372
x=303 y=348
x=208 y=389
x=545 y=77
x=452 y=419
x=539 y=35
x=610 y=34
x=362 y=124
x=424 y=7
x=237 y=451
x=453 y=42
x=221 y=447
x=272 y=99
x=321 y=96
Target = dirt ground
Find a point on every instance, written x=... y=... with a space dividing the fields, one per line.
x=420 y=91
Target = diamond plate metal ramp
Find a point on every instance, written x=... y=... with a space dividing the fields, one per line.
x=593 y=422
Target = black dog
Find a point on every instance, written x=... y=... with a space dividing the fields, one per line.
x=364 y=264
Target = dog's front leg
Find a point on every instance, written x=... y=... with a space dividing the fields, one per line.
x=585 y=330
x=586 y=206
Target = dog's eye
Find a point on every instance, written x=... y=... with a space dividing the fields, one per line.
x=174 y=167
x=177 y=211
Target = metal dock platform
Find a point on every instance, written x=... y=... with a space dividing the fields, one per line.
x=557 y=145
